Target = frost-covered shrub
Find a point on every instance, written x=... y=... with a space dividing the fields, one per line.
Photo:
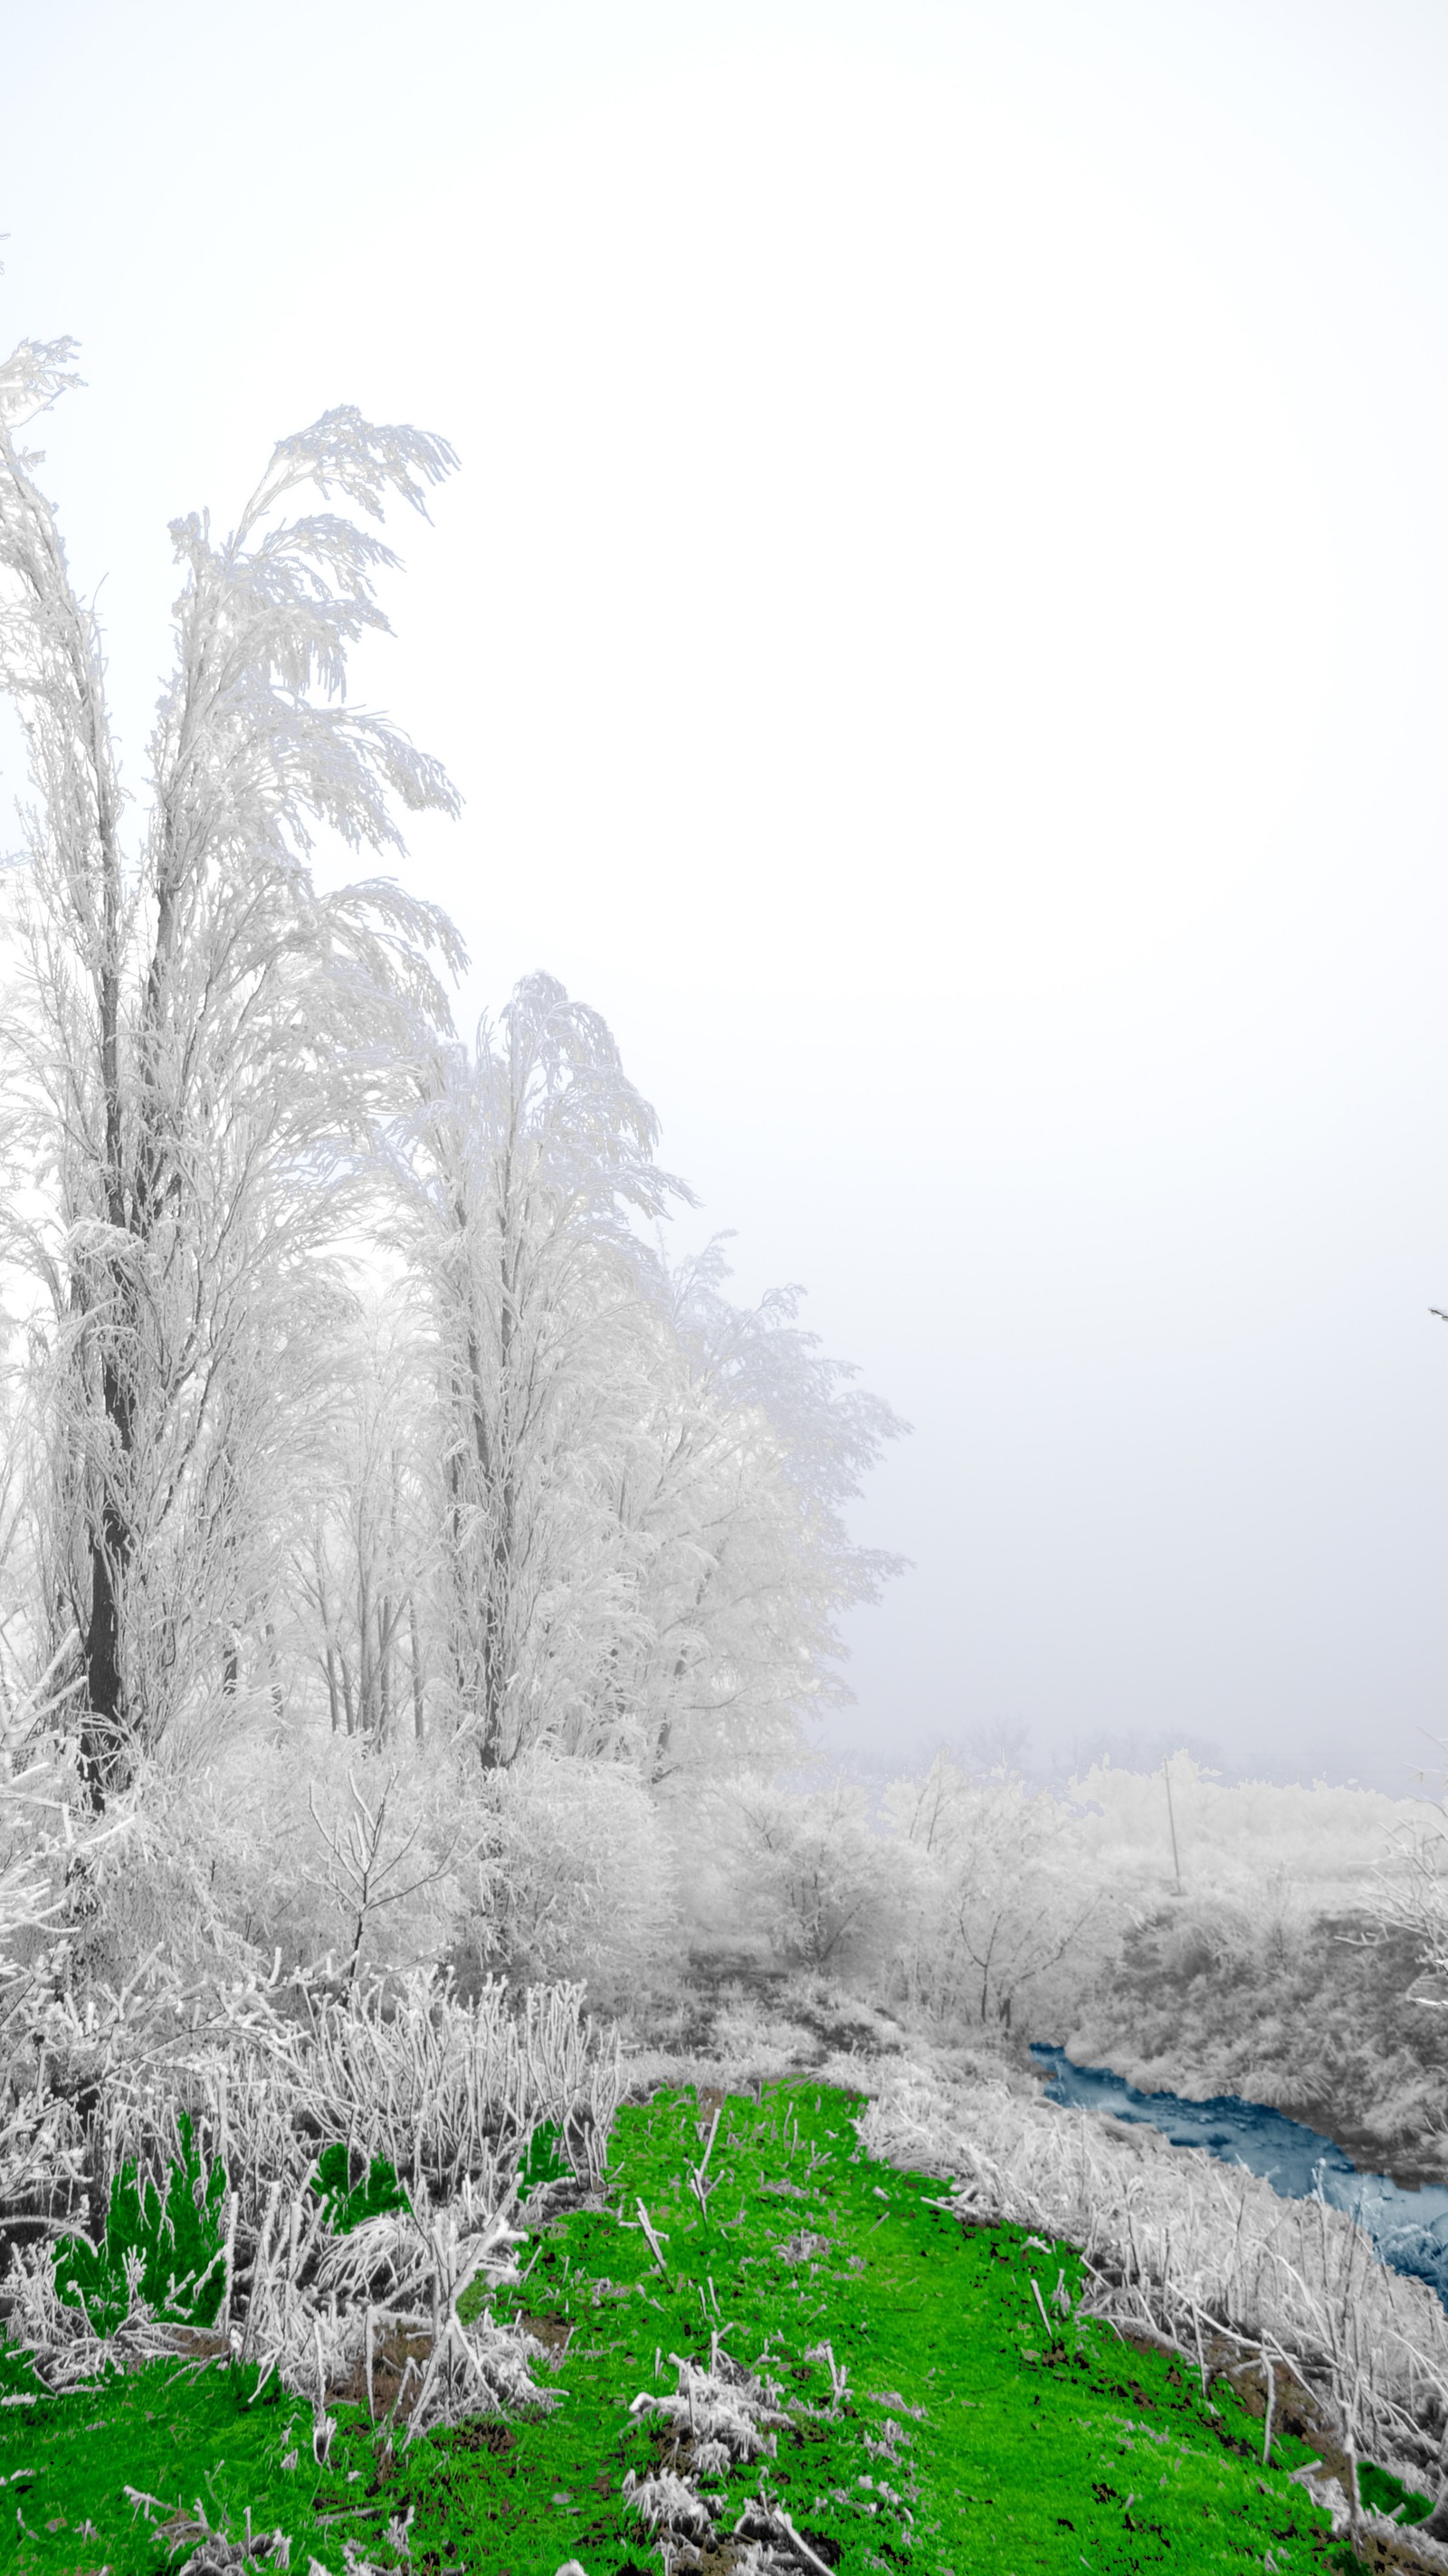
x=1232 y=1933
x=1007 y=1923
x=41 y=1860
x=575 y=1878
x=49 y=1839
x=805 y=1869
x=32 y=1869
x=387 y=1864
x=270 y=1842
x=170 y=1882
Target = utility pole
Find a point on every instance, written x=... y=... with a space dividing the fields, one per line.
x=1171 y=1819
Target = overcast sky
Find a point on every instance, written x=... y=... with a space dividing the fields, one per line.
x=941 y=630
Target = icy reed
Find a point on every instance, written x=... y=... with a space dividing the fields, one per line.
x=449 y=2093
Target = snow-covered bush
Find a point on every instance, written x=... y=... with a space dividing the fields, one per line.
x=804 y=1869
x=389 y=1856
x=1410 y=1893
x=46 y=1860
x=269 y=1842
x=169 y=1882
x=575 y=1877
x=34 y=1856
x=1008 y=1923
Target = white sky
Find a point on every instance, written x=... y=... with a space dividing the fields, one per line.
x=941 y=632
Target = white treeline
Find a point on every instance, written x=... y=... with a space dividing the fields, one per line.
x=354 y=1405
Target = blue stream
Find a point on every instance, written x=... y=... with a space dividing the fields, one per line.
x=1409 y=2229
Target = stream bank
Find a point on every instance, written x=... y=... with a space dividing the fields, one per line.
x=1407 y=2226
x=1327 y=2019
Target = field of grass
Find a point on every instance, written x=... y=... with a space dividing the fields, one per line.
x=754 y=2345
x=813 y=2337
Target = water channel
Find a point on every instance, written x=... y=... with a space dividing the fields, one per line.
x=1408 y=2229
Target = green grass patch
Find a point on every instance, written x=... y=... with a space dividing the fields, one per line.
x=187 y=2444
x=944 y=2410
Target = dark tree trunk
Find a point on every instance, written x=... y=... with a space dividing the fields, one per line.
x=104 y=1727
x=104 y=1721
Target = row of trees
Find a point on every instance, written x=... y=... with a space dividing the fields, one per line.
x=350 y=1400
x=348 y=1379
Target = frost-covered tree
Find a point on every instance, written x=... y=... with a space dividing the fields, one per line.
x=348 y=1384
x=642 y=1549
x=519 y=1168
x=747 y=1562
x=191 y=1032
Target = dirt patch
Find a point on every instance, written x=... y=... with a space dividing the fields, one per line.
x=392 y=2351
